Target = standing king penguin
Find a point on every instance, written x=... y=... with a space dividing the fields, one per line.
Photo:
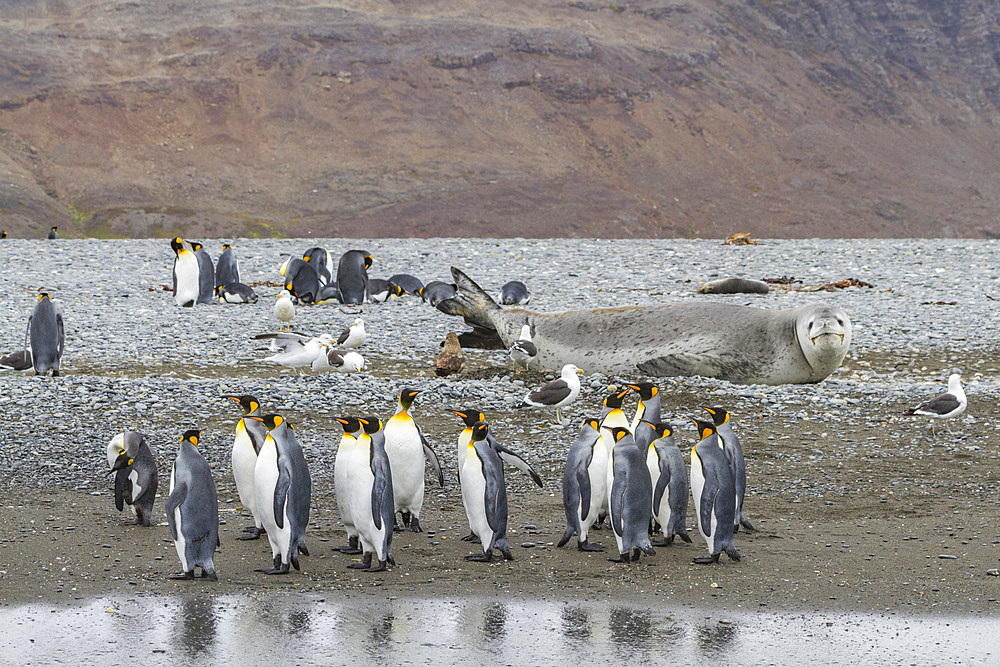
x=227 y=269
x=648 y=408
x=484 y=495
x=734 y=454
x=714 y=493
x=582 y=505
x=47 y=336
x=346 y=451
x=250 y=435
x=193 y=510
x=612 y=415
x=134 y=465
x=53 y=234
x=668 y=477
x=407 y=449
x=186 y=274
x=206 y=272
x=352 y=277
x=630 y=496
x=284 y=489
x=370 y=486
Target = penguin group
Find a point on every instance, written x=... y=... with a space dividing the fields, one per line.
x=633 y=472
x=196 y=280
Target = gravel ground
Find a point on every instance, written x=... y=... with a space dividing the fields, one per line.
x=135 y=360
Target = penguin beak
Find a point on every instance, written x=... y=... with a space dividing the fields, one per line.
x=256 y=419
x=460 y=414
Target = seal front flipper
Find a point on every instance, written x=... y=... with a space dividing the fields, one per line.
x=689 y=363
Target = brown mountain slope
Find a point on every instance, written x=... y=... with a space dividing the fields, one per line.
x=780 y=118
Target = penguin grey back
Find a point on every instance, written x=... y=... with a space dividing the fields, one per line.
x=194 y=493
x=227 y=269
x=299 y=485
x=383 y=502
x=718 y=494
x=631 y=495
x=437 y=291
x=352 y=276
x=47 y=336
x=206 y=272
x=144 y=466
x=495 y=494
x=576 y=479
x=302 y=280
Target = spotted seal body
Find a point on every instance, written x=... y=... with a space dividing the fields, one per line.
x=740 y=344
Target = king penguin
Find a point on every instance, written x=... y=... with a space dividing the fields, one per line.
x=734 y=454
x=372 y=505
x=187 y=279
x=47 y=335
x=630 y=496
x=347 y=449
x=53 y=234
x=714 y=493
x=407 y=449
x=507 y=455
x=649 y=405
x=134 y=465
x=250 y=435
x=612 y=415
x=484 y=495
x=283 y=489
x=227 y=269
x=318 y=258
x=206 y=272
x=352 y=276
x=301 y=280
x=193 y=510
x=668 y=477
x=582 y=505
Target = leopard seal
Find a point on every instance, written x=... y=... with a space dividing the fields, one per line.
x=741 y=344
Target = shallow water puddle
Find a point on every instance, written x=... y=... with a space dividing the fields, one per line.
x=341 y=629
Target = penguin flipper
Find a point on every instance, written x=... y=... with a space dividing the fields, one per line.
x=62 y=333
x=617 y=507
x=707 y=507
x=431 y=456
x=379 y=487
x=513 y=458
x=583 y=481
x=281 y=493
x=661 y=485
x=174 y=501
x=121 y=479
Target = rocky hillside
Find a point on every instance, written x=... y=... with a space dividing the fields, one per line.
x=791 y=118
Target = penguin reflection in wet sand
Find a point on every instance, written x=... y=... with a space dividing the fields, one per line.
x=581 y=503
x=407 y=449
x=370 y=486
x=557 y=393
x=630 y=496
x=668 y=477
x=283 y=489
x=134 y=465
x=714 y=493
x=734 y=454
x=47 y=336
x=193 y=510
x=206 y=272
x=346 y=451
x=485 y=496
x=250 y=435
x=186 y=274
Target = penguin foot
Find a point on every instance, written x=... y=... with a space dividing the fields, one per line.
x=587 y=546
x=415 y=526
x=303 y=550
x=407 y=517
x=396 y=528
x=665 y=542
x=472 y=537
x=295 y=562
x=622 y=558
x=378 y=568
x=348 y=550
x=706 y=560
x=685 y=537
x=484 y=557
x=363 y=564
x=274 y=570
x=182 y=575
x=209 y=574
x=505 y=552
x=745 y=522
x=252 y=533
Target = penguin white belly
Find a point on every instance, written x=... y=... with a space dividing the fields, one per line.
x=186 y=270
x=697 y=486
x=133 y=477
x=711 y=539
x=244 y=466
x=406 y=460
x=180 y=543
x=598 y=473
x=653 y=466
x=341 y=486
x=265 y=479
x=362 y=481
x=610 y=477
x=474 y=498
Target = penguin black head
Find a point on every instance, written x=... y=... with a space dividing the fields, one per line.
x=195 y=245
x=614 y=401
x=368 y=262
x=177 y=244
x=274 y=421
x=406 y=396
x=470 y=416
x=619 y=432
x=43 y=295
x=3 y=234
x=397 y=290
x=661 y=429
x=54 y=228
x=226 y=246
x=420 y=292
x=371 y=424
x=705 y=429
x=647 y=390
x=479 y=431
x=719 y=416
x=592 y=423
x=192 y=436
x=246 y=401
x=351 y=424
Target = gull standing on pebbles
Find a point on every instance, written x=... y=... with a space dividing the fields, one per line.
x=950 y=404
x=296 y=350
x=522 y=351
x=557 y=393
x=353 y=336
x=284 y=309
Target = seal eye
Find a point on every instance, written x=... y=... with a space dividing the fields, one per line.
x=840 y=321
